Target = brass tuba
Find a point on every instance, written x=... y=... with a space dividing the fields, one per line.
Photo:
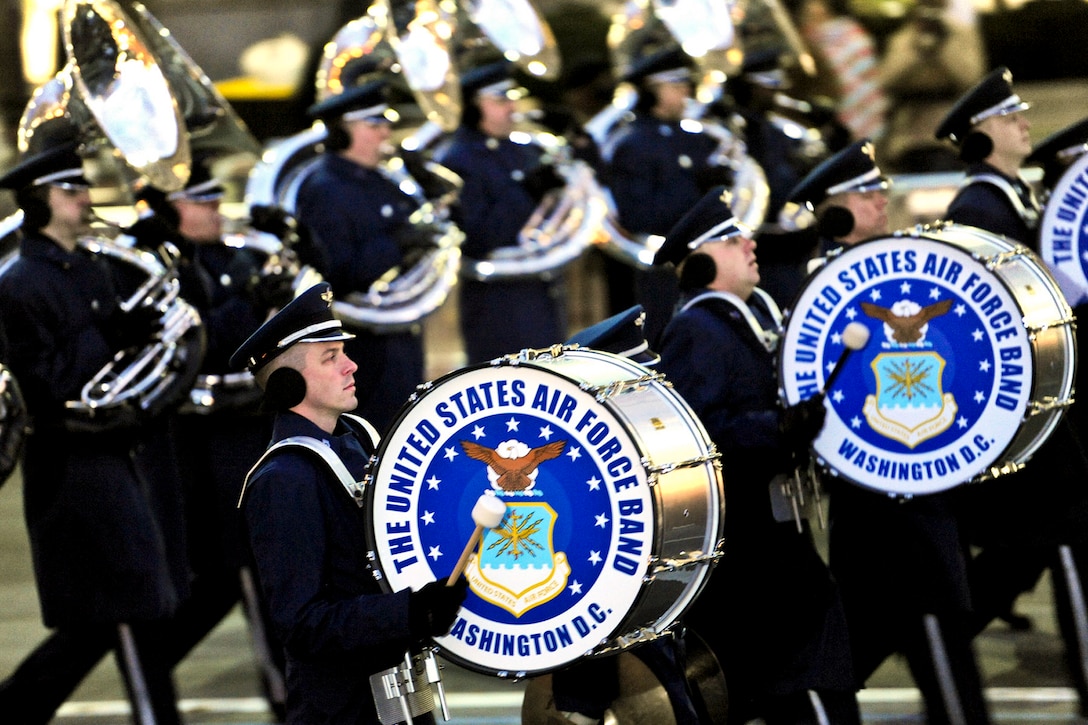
x=395 y=40
x=120 y=81
x=144 y=381
x=515 y=28
x=705 y=31
x=568 y=220
x=112 y=96
x=565 y=223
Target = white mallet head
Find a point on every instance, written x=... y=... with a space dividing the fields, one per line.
x=488 y=511
x=855 y=336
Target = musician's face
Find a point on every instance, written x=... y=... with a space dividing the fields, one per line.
x=330 y=383
x=69 y=209
x=870 y=211
x=496 y=115
x=200 y=221
x=1011 y=135
x=737 y=269
x=368 y=139
x=672 y=99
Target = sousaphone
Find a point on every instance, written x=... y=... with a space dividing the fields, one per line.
x=120 y=80
x=516 y=28
x=705 y=30
x=113 y=97
x=409 y=44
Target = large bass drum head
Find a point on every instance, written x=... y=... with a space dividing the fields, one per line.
x=613 y=506
x=969 y=347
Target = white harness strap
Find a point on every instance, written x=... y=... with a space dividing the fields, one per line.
x=1030 y=214
x=769 y=338
x=354 y=488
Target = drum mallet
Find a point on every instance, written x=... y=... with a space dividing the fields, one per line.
x=487 y=513
x=855 y=336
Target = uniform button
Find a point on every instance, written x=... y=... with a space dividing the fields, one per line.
x=492 y=143
x=517 y=175
x=685 y=161
x=225 y=280
x=665 y=130
x=94 y=305
x=387 y=210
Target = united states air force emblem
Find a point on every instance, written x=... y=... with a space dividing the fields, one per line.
x=559 y=573
x=941 y=388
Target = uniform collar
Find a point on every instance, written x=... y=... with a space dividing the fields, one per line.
x=288 y=424
x=36 y=244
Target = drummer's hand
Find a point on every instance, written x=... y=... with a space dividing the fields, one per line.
x=799 y=424
x=433 y=609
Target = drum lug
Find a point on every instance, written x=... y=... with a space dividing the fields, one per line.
x=1036 y=407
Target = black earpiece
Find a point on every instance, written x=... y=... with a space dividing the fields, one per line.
x=835 y=222
x=976 y=146
x=285 y=389
x=699 y=270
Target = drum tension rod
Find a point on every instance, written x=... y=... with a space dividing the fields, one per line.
x=673 y=465
x=1048 y=404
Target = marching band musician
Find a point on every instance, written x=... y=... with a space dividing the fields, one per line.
x=308 y=534
x=505 y=179
x=783 y=643
x=584 y=691
x=214 y=446
x=1020 y=535
x=1055 y=154
x=658 y=169
x=755 y=91
x=900 y=563
x=100 y=537
x=359 y=219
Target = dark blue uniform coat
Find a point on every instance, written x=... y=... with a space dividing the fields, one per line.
x=1020 y=519
x=654 y=169
x=499 y=317
x=309 y=540
x=98 y=549
x=771 y=611
x=985 y=206
x=354 y=214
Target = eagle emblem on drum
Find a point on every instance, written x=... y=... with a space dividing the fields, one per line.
x=512 y=466
x=909 y=405
x=906 y=322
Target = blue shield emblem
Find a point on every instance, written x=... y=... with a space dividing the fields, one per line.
x=518 y=567
x=909 y=405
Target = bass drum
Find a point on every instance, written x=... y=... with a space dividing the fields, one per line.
x=614 y=506
x=968 y=369
x=1063 y=232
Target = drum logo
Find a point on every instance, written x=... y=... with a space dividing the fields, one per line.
x=909 y=405
x=559 y=573
x=518 y=568
x=1063 y=231
x=941 y=388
